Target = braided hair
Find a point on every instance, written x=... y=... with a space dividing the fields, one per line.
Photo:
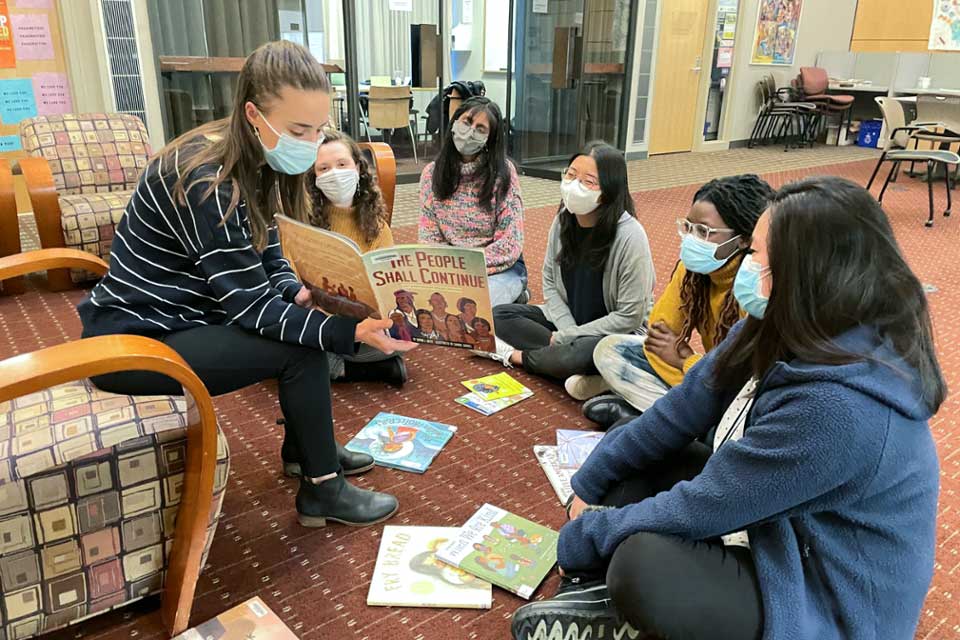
x=740 y=200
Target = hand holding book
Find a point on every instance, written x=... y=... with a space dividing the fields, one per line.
x=373 y=332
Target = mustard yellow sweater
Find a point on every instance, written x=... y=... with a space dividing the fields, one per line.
x=343 y=221
x=667 y=310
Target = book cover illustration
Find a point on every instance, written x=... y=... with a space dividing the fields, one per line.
x=409 y=574
x=250 y=620
x=433 y=294
x=505 y=549
x=495 y=387
x=490 y=407
x=400 y=442
x=574 y=446
x=558 y=476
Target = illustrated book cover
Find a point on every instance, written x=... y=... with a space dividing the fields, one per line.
x=495 y=387
x=573 y=446
x=400 y=442
x=558 y=476
x=490 y=407
x=250 y=620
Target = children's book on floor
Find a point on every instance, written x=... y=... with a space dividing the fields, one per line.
x=495 y=387
x=433 y=294
x=573 y=446
x=490 y=407
x=558 y=476
x=505 y=549
x=250 y=620
x=400 y=442
x=409 y=574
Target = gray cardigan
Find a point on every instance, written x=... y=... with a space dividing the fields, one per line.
x=628 y=280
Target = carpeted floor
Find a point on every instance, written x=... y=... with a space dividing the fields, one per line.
x=317 y=580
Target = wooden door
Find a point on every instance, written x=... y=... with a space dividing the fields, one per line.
x=673 y=117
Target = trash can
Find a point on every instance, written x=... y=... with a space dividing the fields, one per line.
x=869 y=133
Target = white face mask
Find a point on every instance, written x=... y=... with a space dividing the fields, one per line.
x=339 y=186
x=577 y=199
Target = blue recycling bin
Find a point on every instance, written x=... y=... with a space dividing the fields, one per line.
x=869 y=133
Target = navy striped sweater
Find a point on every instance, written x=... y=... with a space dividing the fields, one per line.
x=176 y=267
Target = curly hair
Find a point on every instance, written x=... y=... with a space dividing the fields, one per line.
x=369 y=208
x=740 y=200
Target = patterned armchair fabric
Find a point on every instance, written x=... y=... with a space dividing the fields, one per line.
x=89 y=491
x=88 y=221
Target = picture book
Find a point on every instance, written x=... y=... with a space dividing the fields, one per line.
x=574 y=446
x=433 y=294
x=409 y=574
x=558 y=476
x=490 y=407
x=250 y=620
x=495 y=387
x=503 y=548
x=400 y=442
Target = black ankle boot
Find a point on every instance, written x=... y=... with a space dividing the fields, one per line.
x=339 y=501
x=392 y=371
x=350 y=462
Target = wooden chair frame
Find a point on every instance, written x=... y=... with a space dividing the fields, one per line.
x=25 y=374
x=385 y=165
x=9 y=225
x=45 y=203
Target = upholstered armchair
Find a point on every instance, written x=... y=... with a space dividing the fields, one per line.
x=82 y=171
x=104 y=498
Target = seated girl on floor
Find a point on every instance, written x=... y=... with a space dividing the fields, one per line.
x=813 y=513
x=598 y=277
x=470 y=197
x=699 y=297
x=347 y=200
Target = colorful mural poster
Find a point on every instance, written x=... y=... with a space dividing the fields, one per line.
x=8 y=59
x=945 y=26
x=775 y=39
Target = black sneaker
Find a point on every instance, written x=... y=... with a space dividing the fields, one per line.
x=581 y=609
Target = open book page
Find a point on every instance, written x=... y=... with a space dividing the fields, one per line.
x=434 y=294
x=331 y=265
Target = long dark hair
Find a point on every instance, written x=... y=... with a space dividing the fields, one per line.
x=835 y=265
x=614 y=200
x=369 y=208
x=740 y=200
x=494 y=173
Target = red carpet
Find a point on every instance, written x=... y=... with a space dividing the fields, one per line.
x=317 y=580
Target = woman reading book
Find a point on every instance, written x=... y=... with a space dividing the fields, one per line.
x=813 y=513
x=347 y=200
x=598 y=277
x=197 y=265
x=470 y=197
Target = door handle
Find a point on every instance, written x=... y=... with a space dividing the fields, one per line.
x=697 y=69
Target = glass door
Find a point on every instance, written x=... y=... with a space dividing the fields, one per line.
x=571 y=79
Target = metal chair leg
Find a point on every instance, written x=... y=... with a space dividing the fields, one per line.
x=413 y=141
x=876 y=169
x=930 y=192
x=946 y=170
x=887 y=181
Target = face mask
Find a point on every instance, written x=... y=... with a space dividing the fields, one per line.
x=467 y=140
x=290 y=156
x=339 y=186
x=698 y=255
x=577 y=199
x=746 y=288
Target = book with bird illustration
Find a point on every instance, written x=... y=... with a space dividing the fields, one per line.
x=400 y=442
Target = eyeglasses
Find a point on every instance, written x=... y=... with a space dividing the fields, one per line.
x=699 y=231
x=588 y=181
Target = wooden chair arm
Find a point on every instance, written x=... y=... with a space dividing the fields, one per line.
x=386 y=166
x=28 y=373
x=9 y=224
x=46 y=211
x=47 y=259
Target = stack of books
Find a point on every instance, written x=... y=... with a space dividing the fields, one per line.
x=491 y=394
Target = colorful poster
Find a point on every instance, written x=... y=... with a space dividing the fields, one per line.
x=8 y=59
x=16 y=100
x=724 y=57
x=52 y=91
x=775 y=39
x=9 y=143
x=31 y=34
x=34 y=4
x=945 y=26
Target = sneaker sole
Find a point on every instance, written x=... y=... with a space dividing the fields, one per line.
x=316 y=522
x=562 y=624
x=292 y=470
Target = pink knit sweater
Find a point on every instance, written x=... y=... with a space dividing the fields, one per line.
x=462 y=222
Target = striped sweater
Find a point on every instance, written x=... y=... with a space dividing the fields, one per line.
x=175 y=267
x=462 y=222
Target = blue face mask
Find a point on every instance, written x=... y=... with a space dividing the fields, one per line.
x=290 y=156
x=746 y=288
x=699 y=255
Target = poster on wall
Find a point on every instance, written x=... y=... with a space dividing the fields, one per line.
x=775 y=39
x=8 y=59
x=945 y=26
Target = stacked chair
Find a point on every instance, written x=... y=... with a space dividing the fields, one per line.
x=812 y=85
x=781 y=119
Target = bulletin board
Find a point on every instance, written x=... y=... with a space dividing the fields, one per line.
x=33 y=68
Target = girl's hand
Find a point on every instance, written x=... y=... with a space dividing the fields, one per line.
x=374 y=333
x=662 y=342
x=576 y=507
x=304 y=298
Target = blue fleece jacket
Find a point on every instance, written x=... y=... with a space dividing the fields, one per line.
x=835 y=479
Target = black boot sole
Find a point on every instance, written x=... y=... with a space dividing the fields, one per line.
x=316 y=522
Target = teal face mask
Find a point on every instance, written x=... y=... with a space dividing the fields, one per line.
x=746 y=287
x=290 y=156
x=699 y=256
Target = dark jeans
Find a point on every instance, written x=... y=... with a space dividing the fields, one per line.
x=230 y=358
x=682 y=589
x=524 y=327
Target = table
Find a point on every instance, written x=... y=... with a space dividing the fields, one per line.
x=859 y=87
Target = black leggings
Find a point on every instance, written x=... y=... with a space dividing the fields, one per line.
x=230 y=358
x=525 y=328
x=682 y=589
